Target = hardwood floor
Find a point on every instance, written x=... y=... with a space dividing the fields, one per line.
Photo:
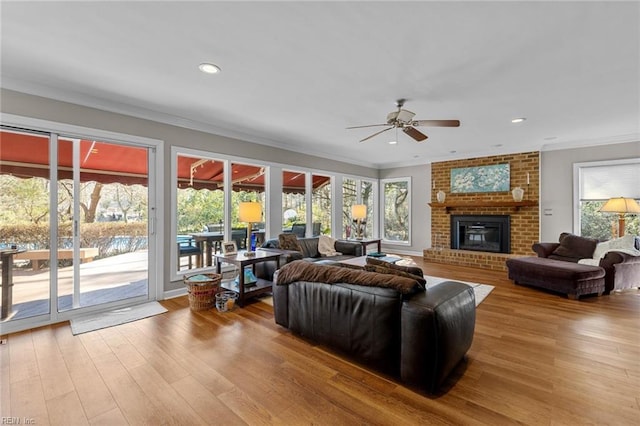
x=537 y=358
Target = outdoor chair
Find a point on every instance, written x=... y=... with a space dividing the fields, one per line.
x=300 y=229
x=239 y=235
x=187 y=247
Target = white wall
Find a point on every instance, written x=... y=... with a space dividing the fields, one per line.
x=556 y=186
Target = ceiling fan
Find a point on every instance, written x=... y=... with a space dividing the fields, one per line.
x=403 y=119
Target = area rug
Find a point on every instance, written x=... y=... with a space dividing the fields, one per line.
x=97 y=321
x=481 y=290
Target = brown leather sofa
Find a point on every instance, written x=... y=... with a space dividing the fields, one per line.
x=309 y=251
x=419 y=337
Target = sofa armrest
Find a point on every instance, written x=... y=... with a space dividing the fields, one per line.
x=614 y=257
x=622 y=270
x=265 y=270
x=544 y=249
x=350 y=248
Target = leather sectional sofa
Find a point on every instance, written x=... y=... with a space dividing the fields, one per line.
x=419 y=336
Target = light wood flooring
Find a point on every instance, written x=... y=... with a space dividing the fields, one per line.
x=537 y=358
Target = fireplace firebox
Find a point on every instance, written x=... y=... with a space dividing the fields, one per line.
x=481 y=233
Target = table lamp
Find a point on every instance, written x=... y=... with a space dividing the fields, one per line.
x=621 y=206
x=359 y=212
x=250 y=212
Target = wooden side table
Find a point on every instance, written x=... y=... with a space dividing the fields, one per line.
x=365 y=242
x=242 y=260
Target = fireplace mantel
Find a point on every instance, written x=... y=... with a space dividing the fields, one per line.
x=466 y=204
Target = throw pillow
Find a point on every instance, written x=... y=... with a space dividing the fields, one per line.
x=289 y=242
x=390 y=271
x=409 y=269
x=326 y=246
x=574 y=247
x=626 y=242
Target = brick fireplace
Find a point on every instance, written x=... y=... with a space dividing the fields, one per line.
x=524 y=217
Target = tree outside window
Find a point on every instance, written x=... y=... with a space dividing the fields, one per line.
x=396 y=207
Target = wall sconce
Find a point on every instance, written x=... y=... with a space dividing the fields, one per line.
x=250 y=212
x=359 y=212
x=621 y=206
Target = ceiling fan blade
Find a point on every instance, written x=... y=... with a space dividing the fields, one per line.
x=376 y=134
x=414 y=133
x=368 y=125
x=436 y=123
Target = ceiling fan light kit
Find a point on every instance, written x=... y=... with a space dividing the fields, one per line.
x=403 y=119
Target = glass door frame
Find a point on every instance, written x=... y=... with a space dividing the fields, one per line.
x=155 y=215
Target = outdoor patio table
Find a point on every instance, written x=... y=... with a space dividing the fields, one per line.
x=7 y=280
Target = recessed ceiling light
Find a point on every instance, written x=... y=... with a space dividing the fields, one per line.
x=550 y=138
x=393 y=142
x=498 y=145
x=209 y=68
x=453 y=151
x=518 y=120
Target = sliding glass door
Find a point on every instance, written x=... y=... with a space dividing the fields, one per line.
x=82 y=230
x=101 y=222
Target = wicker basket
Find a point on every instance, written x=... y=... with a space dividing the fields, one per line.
x=202 y=289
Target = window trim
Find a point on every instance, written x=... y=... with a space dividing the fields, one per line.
x=577 y=176
x=382 y=203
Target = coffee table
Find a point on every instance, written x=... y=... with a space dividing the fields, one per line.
x=242 y=260
x=362 y=260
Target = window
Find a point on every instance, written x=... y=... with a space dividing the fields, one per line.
x=294 y=204
x=321 y=204
x=597 y=182
x=396 y=208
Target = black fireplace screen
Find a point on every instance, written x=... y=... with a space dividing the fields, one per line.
x=481 y=233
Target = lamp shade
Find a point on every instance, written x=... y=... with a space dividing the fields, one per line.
x=359 y=211
x=621 y=205
x=249 y=212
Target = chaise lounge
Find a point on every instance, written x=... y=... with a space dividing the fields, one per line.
x=579 y=266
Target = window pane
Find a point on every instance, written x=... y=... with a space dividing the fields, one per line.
x=200 y=206
x=367 y=200
x=599 y=182
x=247 y=185
x=321 y=205
x=294 y=207
x=348 y=199
x=396 y=210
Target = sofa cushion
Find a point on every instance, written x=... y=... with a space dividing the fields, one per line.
x=289 y=242
x=390 y=271
x=574 y=247
x=415 y=270
x=309 y=246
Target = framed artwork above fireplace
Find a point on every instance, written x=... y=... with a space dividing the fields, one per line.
x=494 y=178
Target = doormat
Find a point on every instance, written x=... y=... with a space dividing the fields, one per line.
x=481 y=290
x=99 y=320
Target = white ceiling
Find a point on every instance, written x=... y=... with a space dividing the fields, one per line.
x=295 y=74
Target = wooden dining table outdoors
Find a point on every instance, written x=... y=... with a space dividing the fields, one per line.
x=207 y=242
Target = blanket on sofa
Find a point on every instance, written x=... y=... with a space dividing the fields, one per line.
x=300 y=270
